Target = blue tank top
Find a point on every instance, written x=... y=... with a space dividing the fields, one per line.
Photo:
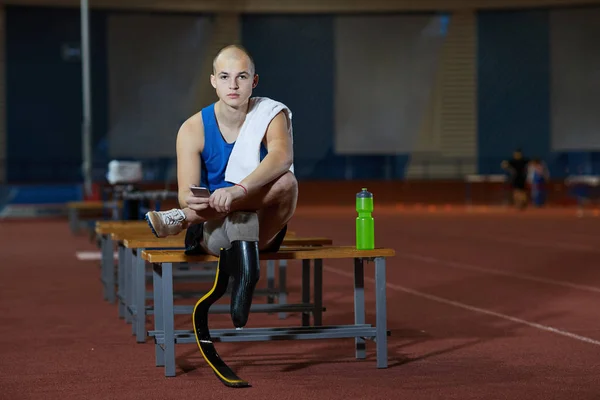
x=215 y=155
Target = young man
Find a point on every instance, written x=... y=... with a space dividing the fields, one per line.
x=265 y=198
x=227 y=222
x=517 y=167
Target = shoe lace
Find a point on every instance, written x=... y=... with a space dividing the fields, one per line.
x=172 y=217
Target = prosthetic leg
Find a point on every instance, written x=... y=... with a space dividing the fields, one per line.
x=245 y=272
x=241 y=262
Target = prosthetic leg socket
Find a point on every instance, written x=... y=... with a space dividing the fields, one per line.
x=244 y=266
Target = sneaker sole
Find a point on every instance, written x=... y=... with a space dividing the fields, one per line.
x=149 y=221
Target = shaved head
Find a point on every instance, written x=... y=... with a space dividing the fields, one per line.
x=234 y=77
x=235 y=52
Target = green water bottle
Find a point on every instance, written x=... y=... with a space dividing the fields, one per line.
x=365 y=225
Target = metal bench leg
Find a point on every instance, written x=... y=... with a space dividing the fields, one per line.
x=127 y=287
x=103 y=261
x=110 y=276
x=381 y=313
x=282 y=298
x=139 y=293
x=359 y=304
x=318 y=293
x=168 y=319
x=305 y=291
x=121 y=281
x=105 y=264
x=130 y=310
x=158 y=311
x=74 y=220
x=270 y=280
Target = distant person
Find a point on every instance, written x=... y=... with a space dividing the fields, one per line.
x=517 y=168
x=538 y=177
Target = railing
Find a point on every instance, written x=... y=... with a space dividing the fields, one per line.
x=69 y=171
x=332 y=167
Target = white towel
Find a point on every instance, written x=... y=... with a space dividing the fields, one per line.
x=245 y=156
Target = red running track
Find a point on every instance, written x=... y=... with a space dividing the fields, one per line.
x=481 y=306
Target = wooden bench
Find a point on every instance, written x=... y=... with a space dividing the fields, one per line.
x=107 y=233
x=130 y=237
x=78 y=210
x=104 y=231
x=132 y=277
x=166 y=337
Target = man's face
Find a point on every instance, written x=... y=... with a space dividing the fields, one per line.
x=233 y=79
x=517 y=155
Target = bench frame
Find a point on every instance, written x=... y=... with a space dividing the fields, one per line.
x=104 y=231
x=74 y=209
x=166 y=337
x=133 y=296
x=131 y=278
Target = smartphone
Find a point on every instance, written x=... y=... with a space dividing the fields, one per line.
x=200 y=191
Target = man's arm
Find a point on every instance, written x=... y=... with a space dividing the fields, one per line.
x=277 y=162
x=190 y=142
x=279 y=158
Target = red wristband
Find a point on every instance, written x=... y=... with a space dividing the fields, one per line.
x=245 y=190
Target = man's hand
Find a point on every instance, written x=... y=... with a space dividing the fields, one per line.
x=197 y=204
x=201 y=206
x=221 y=199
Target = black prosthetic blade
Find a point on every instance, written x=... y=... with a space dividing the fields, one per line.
x=202 y=333
x=221 y=370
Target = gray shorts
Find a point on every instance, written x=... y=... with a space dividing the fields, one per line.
x=211 y=236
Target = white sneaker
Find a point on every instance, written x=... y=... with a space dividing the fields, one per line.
x=166 y=223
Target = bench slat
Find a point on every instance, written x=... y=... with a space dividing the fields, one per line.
x=121 y=230
x=178 y=241
x=142 y=232
x=136 y=242
x=108 y=227
x=92 y=205
x=119 y=223
x=307 y=253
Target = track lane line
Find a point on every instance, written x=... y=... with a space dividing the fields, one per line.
x=471 y=308
x=476 y=268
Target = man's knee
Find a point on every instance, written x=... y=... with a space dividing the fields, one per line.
x=238 y=225
x=242 y=225
x=282 y=205
x=285 y=186
x=215 y=236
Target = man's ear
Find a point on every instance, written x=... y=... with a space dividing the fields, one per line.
x=213 y=81
x=255 y=81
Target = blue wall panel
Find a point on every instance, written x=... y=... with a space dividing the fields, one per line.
x=294 y=56
x=513 y=86
x=44 y=95
x=294 y=59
